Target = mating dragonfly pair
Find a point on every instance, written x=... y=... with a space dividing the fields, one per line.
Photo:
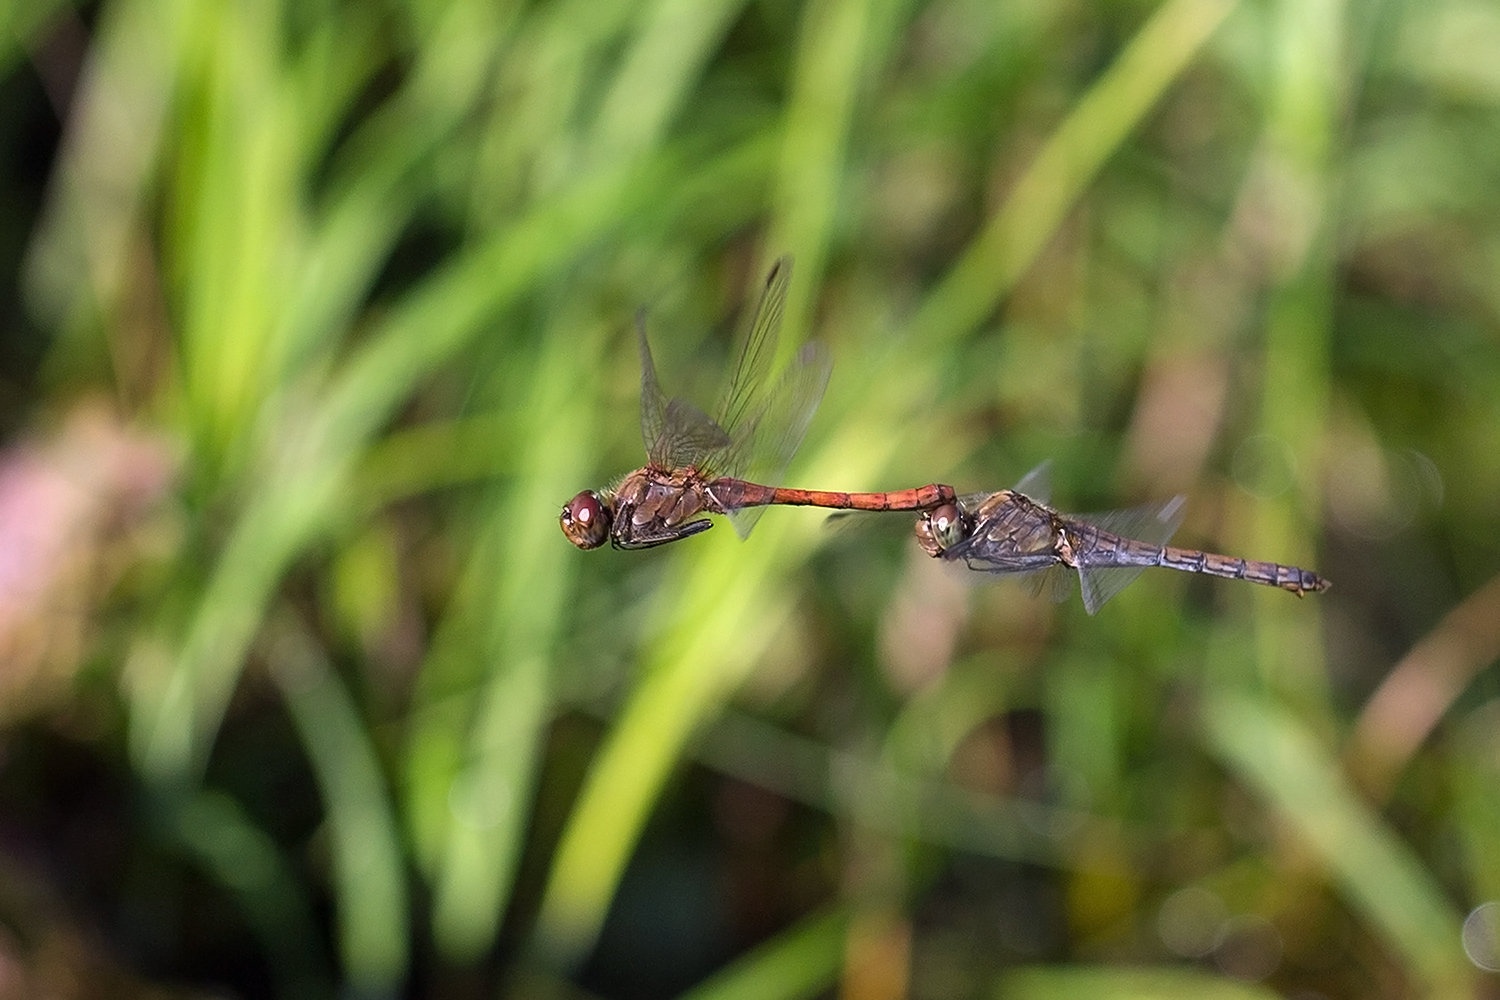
x=732 y=464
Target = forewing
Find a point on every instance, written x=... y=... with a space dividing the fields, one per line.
x=768 y=438
x=980 y=553
x=653 y=400
x=969 y=502
x=688 y=437
x=1152 y=523
x=1034 y=571
x=1037 y=483
x=676 y=433
x=755 y=350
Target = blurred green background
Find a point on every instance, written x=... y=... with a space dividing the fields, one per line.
x=314 y=313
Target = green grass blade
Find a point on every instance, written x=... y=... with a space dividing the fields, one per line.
x=520 y=611
x=368 y=874
x=245 y=861
x=1108 y=983
x=1099 y=123
x=802 y=961
x=234 y=208
x=687 y=675
x=177 y=716
x=1378 y=874
x=77 y=261
x=1304 y=119
x=673 y=41
x=832 y=61
x=377 y=176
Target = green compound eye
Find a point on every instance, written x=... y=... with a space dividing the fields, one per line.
x=940 y=529
x=948 y=525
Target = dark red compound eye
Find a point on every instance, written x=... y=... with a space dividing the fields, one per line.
x=585 y=521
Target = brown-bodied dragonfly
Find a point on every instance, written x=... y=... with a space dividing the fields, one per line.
x=695 y=463
x=1015 y=532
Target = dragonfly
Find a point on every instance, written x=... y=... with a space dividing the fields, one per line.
x=695 y=462
x=1015 y=532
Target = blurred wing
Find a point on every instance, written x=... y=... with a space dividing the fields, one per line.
x=653 y=400
x=1054 y=579
x=1037 y=484
x=1099 y=585
x=980 y=553
x=1152 y=523
x=969 y=502
x=765 y=443
x=1055 y=583
x=676 y=432
x=756 y=350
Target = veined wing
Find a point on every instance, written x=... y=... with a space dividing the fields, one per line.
x=969 y=502
x=1007 y=533
x=755 y=351
x=768 y=438
x=1152 y=523
x=1054 y=580
x=676 y=433
x=1009 y=539
x=1037 y=483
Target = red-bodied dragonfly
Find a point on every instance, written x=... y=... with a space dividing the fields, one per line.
x=696 y=463
x=1015 y=532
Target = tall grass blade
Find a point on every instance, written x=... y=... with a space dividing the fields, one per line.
x=1378 y=874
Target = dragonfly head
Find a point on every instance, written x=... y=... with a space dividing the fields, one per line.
x=585 y=520
x=940 y=529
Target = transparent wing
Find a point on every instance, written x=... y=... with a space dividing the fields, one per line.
x=689 y=437
x=1038 y=573
x=1099 y=585
x=676 y=432
x=1152 y=523
x=770 y=436
x=1003 y=555
x=755 y=350
x=1055 y=583
x=653 y=400
x=1037 y=483
x=969 y=502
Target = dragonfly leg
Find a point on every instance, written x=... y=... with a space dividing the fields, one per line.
x=661 y=536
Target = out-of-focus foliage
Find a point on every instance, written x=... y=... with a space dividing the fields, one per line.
x=316 y=312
